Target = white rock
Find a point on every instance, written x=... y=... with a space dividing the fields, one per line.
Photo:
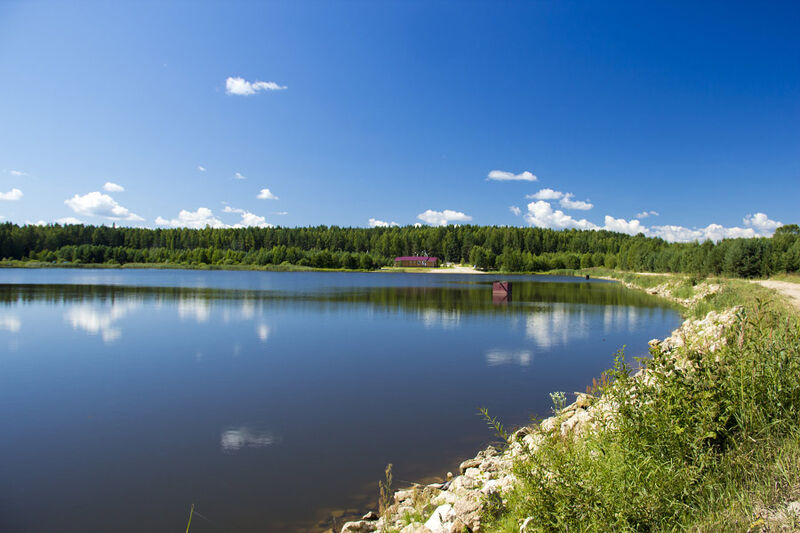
x=442 y=519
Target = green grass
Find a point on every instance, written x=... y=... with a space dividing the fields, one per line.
x=707 y=446
x=283 y=267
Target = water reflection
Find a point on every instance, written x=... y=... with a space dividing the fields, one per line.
x=234 y=439
x=507 y=357
x=10 y=323
x=198 y=308
x=181 y=404
x=432 y=318
x=100 y=320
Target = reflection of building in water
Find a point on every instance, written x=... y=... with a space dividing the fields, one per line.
x=505 y=357
x=100 y=319
x=234 y=439
x=432 y=318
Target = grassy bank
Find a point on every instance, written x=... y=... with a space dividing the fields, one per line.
x=709 y=442
x=283 y=267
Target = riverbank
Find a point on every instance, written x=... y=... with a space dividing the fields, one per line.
x=703 y=437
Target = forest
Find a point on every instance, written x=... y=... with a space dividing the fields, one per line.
x=508 y=249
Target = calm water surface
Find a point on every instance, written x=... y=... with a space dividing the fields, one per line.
x=270 y=400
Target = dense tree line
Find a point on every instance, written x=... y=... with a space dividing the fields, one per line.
x=488 y=247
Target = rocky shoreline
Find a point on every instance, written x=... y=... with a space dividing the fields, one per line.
x=458 y=504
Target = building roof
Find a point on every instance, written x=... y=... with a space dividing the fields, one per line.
x=415 y=258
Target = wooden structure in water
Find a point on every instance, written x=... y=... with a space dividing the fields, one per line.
x=501 y=292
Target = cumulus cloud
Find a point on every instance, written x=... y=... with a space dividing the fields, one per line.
x=68 y=220
x=502 y=175
x=568 y=203
x=761 y=223
x=201 y=168
x=375 y=223
x=238 y=176
x=248 y=219
x=113 y=187
x=443 y=218
x=193 y=219
x=645 y=214
x=713 y=232
x=542 y=215
x=242 y=87
x=13 y=194
x=266 y=194
x=97 y=204
x=514 y=209
x=620 y=225
x=545 y=194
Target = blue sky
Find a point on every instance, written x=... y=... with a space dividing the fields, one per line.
x=375 y=112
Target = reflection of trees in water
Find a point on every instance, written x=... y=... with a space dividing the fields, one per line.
x=459 y=299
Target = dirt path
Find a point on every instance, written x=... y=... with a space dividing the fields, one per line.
x=787 y=288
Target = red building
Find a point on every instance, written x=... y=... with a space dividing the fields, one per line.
x=416 y=261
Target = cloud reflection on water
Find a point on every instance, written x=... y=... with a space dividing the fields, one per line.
x=505 y=357
x=10 y=323
x=99 y=319
x=234 y=439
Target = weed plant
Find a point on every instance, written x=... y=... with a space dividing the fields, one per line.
x=709 y=442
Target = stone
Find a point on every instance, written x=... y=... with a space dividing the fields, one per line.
x=468 y=514
x=441 y=521
x=415 y=527
x=372 y=515
x=359 y=526
x=523 y=528
x=469 y=463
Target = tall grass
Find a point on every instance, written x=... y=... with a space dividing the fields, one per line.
x=707 y=443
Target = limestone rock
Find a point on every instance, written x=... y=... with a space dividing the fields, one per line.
x=360 y=526
x=441 y=521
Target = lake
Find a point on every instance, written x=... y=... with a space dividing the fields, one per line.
x=273 y=401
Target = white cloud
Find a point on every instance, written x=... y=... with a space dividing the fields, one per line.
x=280 y=213
x=68 y=220
x=713 y=232
x=375 y=223
x=545 y=194
x=645 y=214
x=620 y=225
x=238 y=176
x=201 y=168
x=97 y=204
x=113 y=187
x=443 y=218
x=17 y=173
x=568 y=203
x=501 y=175
x=266 y=194
x=242 y=87
x=193 y=219
x=13 y=194
x=542 y=215
x=514 y=209
x=761 y=223
x=248 y=219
